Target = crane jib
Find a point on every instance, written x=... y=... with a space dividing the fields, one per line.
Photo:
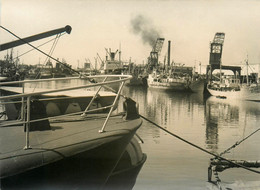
x=19 y=42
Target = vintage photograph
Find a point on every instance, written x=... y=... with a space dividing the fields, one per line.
x=130 y=95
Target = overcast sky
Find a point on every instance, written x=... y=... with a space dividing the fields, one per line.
x=190 y=25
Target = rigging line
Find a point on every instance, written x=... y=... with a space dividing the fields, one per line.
x=52 y=48
x=196 y=146
x=39 y=72
x=50 y=53
x=39 y=49
x=238 y=142
x=55 y=44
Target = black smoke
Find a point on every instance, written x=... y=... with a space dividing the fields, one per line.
x=143 y=26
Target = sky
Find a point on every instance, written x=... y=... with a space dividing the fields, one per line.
x=190 y=25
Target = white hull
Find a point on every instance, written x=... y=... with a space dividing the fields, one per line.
x=245 y=93
x=167 y=86
x=167 y=83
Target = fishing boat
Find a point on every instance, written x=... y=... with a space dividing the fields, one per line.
x=168 y=82
x=176 y=82
x=228 y=86
x=76 y=150
x=232 y=89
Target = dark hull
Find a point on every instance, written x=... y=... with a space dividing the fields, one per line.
x=87 y=170
x=126 y=178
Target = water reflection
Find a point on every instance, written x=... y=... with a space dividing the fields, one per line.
x=221 y=114
x=190 y=113
x=174 y=111
x=230 y=112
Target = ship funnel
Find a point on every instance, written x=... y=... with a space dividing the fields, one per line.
x=169 y=53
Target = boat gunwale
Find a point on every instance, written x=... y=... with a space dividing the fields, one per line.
x=122 y=78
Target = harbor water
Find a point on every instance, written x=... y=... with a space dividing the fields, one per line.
x=210 y=123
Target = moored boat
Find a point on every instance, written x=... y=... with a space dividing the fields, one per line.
x=167 y=82
x=175 y=81
x=230 y=87
x=197 y=85
x=76 y=150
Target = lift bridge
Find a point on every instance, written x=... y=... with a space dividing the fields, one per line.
x=216 y=49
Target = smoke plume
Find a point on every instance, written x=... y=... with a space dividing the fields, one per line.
x=143 y=26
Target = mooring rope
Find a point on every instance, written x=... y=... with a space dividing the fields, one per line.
x=198 y=147
x=238 y=142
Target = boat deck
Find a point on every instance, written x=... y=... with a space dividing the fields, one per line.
x=67 y=136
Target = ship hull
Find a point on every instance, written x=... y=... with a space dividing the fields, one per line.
x=168 y=86
x=197 y=86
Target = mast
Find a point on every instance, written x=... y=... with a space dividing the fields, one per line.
x=119 y=53
x=169 y=55
x=220 y=70
x=247 y=71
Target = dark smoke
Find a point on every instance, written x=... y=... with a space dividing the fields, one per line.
x=143 y=27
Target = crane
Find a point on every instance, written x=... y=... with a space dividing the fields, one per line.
x=154 y=54
x=112 y=55
x=29 y=39
x=102 y=62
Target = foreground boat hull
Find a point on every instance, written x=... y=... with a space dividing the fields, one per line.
x=77 y=157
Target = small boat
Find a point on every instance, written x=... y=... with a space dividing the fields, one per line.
x=77 y=150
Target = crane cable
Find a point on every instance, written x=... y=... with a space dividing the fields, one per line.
x=198 y=147
x=50 y=53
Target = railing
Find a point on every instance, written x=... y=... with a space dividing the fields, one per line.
x=26 y=98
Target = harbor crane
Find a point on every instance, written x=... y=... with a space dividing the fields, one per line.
x=102 y=62
x=155 y=53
